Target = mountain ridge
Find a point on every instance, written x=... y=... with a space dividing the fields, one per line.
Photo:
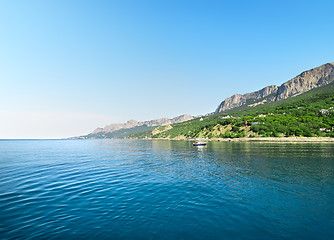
x=307 y=80
x=108 y=129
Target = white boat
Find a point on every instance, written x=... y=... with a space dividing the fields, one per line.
x=199 y=143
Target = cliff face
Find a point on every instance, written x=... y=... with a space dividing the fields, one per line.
x=307 y=80
x=238 y=100
x=133 y=123
x=304 y=82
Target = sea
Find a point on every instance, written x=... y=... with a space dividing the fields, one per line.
x=162 y=189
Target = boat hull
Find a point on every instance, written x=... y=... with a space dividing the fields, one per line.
x=199 y=144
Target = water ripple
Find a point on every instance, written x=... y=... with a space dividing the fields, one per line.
x=121 y=189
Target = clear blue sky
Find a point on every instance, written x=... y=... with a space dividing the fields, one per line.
x=67 y=67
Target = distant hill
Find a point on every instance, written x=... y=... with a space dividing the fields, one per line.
x=122 y=130
x=304 y=82
x=121 y=133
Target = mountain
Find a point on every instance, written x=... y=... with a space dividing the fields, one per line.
x=121 y=130
x=122 y=133
x=310 y=114
x=304 y=82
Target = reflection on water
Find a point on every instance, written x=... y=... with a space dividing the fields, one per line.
x=200 y=148
x=138 y=189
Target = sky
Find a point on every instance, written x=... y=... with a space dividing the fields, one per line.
x=68 y=67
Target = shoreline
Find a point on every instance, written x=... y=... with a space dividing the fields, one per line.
x=264 y=139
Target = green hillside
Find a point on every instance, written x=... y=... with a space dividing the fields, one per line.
x=309 y=114
x=122 y=133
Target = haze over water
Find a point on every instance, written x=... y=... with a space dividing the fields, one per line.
x=137 y=189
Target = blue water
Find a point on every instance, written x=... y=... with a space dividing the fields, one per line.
x=137 y=189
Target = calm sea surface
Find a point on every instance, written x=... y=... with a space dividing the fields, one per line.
x=137 y=189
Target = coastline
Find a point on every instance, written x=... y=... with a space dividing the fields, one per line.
x=263 y=139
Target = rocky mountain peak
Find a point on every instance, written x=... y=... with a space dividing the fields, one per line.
x=238 y=100
x=133 y=123
x=304 y=82
x=315 y=77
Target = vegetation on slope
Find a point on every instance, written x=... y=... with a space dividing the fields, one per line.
x=122 y=133
x=309 y=114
